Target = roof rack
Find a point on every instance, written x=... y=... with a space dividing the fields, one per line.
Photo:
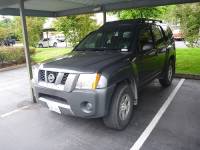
x=148 y=20
x=130 y=21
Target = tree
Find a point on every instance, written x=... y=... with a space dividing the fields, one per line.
x=4 y=32
x=189 y=17
x=75 y=28
x=5 y=28
x=34 y=27
x=152 y=12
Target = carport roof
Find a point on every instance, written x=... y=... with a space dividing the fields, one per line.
x=57 y=8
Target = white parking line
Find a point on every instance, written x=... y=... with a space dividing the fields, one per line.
x=14 y=111
x=143 y=137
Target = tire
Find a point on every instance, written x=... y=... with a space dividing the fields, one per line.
x=55 y=44
x=40 y=46
x=122 y=103
x=168 y=74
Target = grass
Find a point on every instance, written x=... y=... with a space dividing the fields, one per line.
x=44 y=54
x=188 y=59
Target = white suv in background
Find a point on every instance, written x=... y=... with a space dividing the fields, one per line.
x=51 y=42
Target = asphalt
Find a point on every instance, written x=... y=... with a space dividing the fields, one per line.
x=179 y=128
x=38 y=128
x=14 y=89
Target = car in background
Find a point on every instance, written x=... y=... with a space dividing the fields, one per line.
x=7 y=42
x=51 y=42
x=178 y=35
x=60 y=38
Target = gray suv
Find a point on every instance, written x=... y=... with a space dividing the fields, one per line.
x=101 y=77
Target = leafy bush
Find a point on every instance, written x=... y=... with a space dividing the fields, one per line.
x=3 y=56
x=75 y=28
x=13 y=55
x=34 y=27
x=188 y=16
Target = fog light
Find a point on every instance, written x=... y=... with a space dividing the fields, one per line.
x=86 y=107
x=89 y=106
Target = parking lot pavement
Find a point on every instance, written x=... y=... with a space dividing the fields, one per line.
x=14 y=89
x=179 y=127
x=38 y=128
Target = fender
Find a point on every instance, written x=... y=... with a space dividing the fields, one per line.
x=124 y=71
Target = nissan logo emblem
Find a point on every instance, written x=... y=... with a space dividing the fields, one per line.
x=51 y=78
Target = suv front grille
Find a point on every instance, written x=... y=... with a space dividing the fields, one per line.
x=51 y=76
x=42 y=75
x=64 y=78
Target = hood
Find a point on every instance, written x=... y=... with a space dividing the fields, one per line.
x=86 y=61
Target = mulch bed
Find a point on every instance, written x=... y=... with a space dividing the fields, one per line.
x=187 y=76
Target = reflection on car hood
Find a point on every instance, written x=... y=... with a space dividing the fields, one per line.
x=87 y=61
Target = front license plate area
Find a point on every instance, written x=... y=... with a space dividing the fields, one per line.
x=53 y=107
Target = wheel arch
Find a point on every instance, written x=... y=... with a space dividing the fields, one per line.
x=173 y=58
x=127 y=74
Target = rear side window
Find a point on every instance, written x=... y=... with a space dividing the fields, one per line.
x=168 y=33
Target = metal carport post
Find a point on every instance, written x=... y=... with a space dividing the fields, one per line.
x=104 y=16
x=26 y=46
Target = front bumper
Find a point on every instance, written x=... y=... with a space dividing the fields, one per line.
x=71 y=103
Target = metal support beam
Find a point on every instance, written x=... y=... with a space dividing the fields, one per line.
x=143 y=3
x=79 y=11
x=126 y=4
x=88 y=8
x=26 y=46
x=104 y=17
x=27 y=12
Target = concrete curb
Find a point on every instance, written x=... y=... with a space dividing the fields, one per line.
x=187 y=76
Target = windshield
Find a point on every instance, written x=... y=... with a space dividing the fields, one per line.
x=117 y=39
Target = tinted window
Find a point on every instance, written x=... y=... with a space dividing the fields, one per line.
x=112 y=39
x=168 y=32
x=92 y=41
x=145 y=36
x=158 y=36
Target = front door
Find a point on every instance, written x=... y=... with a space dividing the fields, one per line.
x=147 y=55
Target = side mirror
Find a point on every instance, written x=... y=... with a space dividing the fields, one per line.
x=147 y=47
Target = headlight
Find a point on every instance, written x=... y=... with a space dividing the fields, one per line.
x=91 y=81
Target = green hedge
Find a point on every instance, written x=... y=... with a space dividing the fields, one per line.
x=13 y=55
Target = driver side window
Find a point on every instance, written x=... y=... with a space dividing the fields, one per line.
x=145 y=37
